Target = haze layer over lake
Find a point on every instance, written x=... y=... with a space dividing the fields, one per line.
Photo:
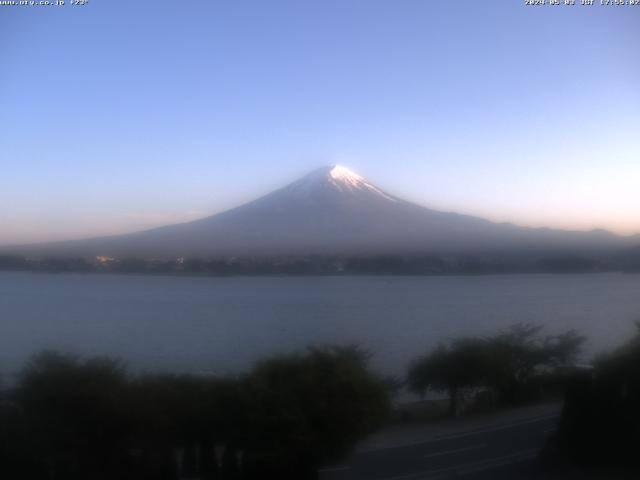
x=222 y=325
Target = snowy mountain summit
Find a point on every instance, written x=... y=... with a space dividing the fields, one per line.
x=342 y=178
x=337 y=178
x=333 y=210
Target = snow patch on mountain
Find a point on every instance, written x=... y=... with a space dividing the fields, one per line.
x=336 y=177
x=343 y=177
x=343 y=174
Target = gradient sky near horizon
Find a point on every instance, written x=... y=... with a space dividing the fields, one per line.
x=119 y=115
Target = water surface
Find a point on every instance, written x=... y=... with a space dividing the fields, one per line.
x=222 y=325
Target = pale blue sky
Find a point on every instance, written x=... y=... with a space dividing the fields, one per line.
x=122 y=115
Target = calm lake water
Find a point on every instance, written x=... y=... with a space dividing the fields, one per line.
x=222 y=325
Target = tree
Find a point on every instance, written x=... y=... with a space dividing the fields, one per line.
x=73 y=413
x=73 y=418
x=453 y=368
x=600 y=422
x=507 y=363
x=520 y=353
x=310 y=408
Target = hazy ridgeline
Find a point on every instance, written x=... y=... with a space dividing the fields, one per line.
x=74 y=418
x=333 y=211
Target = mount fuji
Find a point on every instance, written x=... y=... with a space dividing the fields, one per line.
x=335 y=211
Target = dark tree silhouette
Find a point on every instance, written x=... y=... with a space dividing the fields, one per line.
x=71 y=418
x=521 y=354
x=600 y=423
x=311 y=408
x=452 y=368
x=73 y=414
x=507 y=363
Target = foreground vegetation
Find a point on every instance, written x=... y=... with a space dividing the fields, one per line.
x=69 y=418
x=511 y=367
x=600 y=424
x=72 y=418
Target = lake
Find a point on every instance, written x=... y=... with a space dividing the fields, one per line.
x=222 y=325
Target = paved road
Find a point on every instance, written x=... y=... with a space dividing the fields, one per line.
x=488 y=451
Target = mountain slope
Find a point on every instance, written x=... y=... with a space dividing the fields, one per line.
x=333 y=211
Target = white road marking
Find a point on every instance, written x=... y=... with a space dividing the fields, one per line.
x=468 y=433
x=457 y=450
x=470 y=467
x=494 y=429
